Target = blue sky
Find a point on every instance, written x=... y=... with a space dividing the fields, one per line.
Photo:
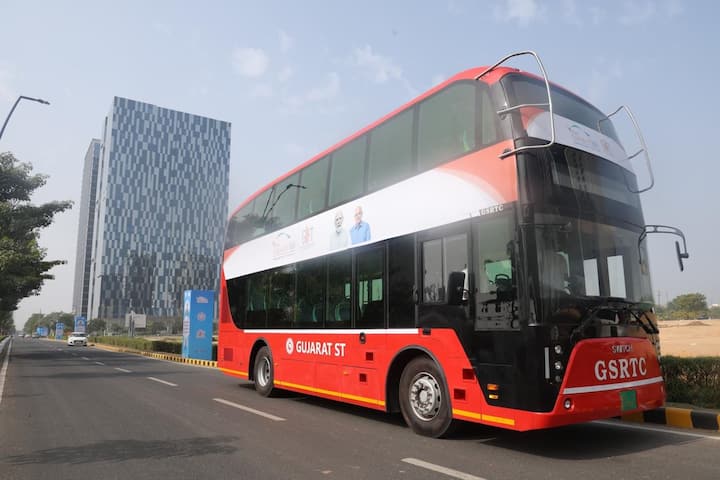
x=293 y=78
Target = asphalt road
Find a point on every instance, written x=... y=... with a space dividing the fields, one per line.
x=73 y=412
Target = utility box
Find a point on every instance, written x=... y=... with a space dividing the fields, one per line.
x=198 y=314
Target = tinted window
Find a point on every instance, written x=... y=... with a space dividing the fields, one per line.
x=347 y=174
x=447 y=125
x=240 y=227
x=312 y=197
x=441 y=257
x=339 y=308
x=311 y=294
x=281 y=298
x=529 y=90
x=390 y=155
x=281 y=210
x=237 y=297
x=401 y=261
x=370 y=289
x=261 y=205
x=257 y=302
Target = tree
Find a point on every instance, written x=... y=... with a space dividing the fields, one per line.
x=23 y=268
x=33 y=322
x=96 y=325
x=7 y=324
x=687 y=306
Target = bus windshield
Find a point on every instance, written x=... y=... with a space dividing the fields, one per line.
x=580 y=258
x=527 y=90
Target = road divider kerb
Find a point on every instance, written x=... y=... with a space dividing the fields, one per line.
x=678 y=417
x=171 y=357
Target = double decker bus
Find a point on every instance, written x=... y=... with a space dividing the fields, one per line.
x=477 y=254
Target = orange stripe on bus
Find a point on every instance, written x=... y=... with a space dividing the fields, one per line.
x=348 y=396
x=484 y=418
x=236 y=372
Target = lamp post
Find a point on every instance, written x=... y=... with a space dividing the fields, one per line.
x=21 y=97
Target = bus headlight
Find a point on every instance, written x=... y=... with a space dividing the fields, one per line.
x=558 y=365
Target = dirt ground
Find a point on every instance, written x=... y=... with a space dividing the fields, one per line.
x=690 y=338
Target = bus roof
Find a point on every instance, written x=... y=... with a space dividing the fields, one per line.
x=490 y=78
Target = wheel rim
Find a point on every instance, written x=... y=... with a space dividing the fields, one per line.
x=263 y=372
x=425 y=396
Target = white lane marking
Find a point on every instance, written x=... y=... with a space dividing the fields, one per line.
x=250 y=410
x=439 y=469
x=100 y=363
x=618 y=424
x=85 y=358
x=162 y=381
x=123 y=370
x=3 y=371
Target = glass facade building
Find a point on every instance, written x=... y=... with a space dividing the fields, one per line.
x=160 y=208
x=81 y=289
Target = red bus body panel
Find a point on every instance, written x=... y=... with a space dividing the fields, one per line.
x=336 y=365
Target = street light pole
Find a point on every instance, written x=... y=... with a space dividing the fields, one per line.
x=21 y=97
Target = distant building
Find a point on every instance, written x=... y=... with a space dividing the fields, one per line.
x=81 y=289
x=160 y=211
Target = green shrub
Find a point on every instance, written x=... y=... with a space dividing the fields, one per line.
x=694 y=381
x=145 y=345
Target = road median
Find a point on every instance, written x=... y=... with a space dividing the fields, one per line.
x=172 y=357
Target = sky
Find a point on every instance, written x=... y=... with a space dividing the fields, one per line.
x=295 y=77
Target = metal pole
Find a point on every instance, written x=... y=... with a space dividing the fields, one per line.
x=21 y=97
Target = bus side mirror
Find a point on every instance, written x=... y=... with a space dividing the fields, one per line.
x=681 y=256
x=456 y=288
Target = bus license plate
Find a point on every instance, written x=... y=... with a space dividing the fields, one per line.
x=628 y=400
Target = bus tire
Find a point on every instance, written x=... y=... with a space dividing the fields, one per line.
x=424 y=399
x=264 y=373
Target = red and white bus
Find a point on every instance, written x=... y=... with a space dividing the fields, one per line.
x=475 y=255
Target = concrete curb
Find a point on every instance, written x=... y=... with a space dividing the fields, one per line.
x=678 y=417
x=172 y=357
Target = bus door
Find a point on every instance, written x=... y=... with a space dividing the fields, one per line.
x=361 y=376
x=445 y=281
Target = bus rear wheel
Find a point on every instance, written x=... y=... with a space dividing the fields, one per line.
x=424 y=399
x=264 y=373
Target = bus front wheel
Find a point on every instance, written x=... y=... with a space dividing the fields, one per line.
x=424 y=399
x=264 y=373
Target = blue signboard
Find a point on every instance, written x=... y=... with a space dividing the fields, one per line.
x=198 y=314
x=59 y=327
x=42 y=331
x=80 y=323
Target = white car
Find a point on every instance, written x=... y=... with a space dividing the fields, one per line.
x=77 y=338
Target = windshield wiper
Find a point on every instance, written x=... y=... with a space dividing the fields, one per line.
x=597 y=304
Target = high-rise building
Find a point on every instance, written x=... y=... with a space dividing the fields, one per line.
x=160 y=210
x=85 y=229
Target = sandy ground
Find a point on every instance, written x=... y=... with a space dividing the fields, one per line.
x=690 y=338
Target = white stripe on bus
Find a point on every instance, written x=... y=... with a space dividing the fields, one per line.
x=612 y=386
x=338 y=331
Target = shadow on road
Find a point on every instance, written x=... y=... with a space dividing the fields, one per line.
x=122 y=450
x=574 y=442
